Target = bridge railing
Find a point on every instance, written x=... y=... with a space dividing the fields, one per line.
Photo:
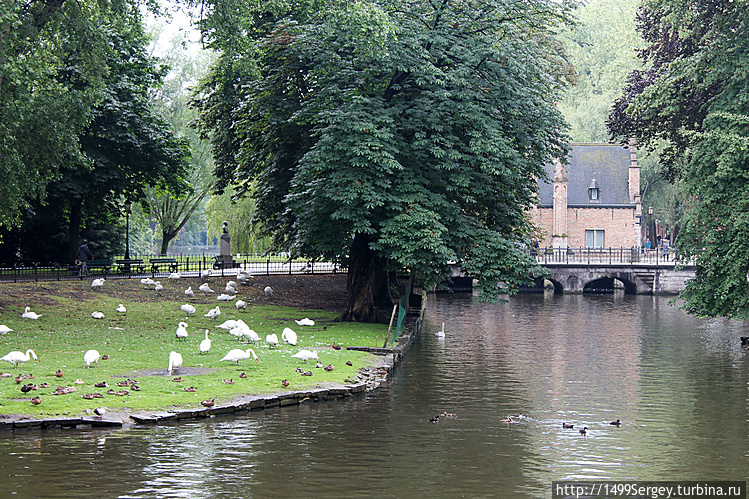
x=605 y=256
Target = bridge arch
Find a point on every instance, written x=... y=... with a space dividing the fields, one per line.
x=607 y=285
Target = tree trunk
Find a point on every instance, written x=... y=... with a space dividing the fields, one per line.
x=74 y=228
x=367 y=285
x=166 y=237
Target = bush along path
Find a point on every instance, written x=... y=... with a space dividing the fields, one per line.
x=129 y=378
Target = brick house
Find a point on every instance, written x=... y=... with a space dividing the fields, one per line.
x=593 y=201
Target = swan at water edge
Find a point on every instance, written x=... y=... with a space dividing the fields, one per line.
x=305 y=355
x=205 y=288
x=305 y=322
x=4 y=329
x=97 y=315
x=235 y=355
x=213 y=313
x=268 y=291
x=441 y=333
x=91 y=357
x=188 y=292
x=97 y=283
x=28 y=314
x=224 y=297
x=241 y=304
x=175 y=362
x=228 y=324
x=205 y=345
x=289 y=336
x=15 y=357
x=272 y=340
x=187 y=308
x=181 y=332
x=121 y=308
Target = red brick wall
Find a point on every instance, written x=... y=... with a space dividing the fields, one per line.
x=619 y=225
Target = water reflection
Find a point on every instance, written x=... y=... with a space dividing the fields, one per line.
x=679 y=384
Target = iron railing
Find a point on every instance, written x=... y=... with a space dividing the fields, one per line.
x=605 y=256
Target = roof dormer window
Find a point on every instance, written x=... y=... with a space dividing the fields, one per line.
x=594 y=193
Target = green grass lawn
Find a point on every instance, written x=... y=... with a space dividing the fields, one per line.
x=139 y=341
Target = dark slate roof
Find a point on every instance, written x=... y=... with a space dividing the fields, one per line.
x=607 y=163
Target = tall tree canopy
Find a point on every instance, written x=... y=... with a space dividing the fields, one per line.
x=389 y=134
x=692 y=96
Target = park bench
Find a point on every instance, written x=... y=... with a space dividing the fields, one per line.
x=219 y=264
x=103 y=266
x=157 y=262
x=127 y=265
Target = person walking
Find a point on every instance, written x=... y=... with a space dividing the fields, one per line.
x=82 y=258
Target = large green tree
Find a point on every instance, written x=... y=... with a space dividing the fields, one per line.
x=390 y=134
x=692 y=97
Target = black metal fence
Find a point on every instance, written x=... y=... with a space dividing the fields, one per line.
x=158 y=266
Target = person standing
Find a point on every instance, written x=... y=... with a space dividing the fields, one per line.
x=84 y=255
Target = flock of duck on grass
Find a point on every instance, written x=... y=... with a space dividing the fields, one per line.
x=237 y=328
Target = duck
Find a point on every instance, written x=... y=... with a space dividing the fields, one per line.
x=190 y=389
x=188 y=292
x=305 y=322
x=235 y=355
x=97 y=283
x=289 y=336
x=97 y=315
x=329 y=367
x=285 y=382
x=4 y=329
x=205 y=345
x=36 y=400
x=28 y=387
x=224 y=297
x=335 y=346
x=18 y=379
x=268 y=291
x=227 y=381
x=213 y=313
x=100 y=411
x=305 y=355
x=209 y=402
x=205 y=288
x=181 y=333
x=507 y=420
x=616 y=423
x=28 y=314
x=243 y=375
x=584 y=431
x=240 y=304
x=435 y=419
x=272 y=340
x=567 y=426
x=175 y=362
x=101 y=384
x=91 y=357
x=15 y=357
x=121 y=308
x=441 y=332
x=187 y=308
x=449 y=415
x=58 y=373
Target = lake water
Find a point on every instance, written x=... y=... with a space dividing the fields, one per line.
x=677 y=383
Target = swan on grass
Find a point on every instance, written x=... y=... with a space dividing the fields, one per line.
x=158 y=287
x=205 y=345
x=189 y=292
x=97 y=283
x=305 y=322
x=237 y=332
x=272 y=340
x=251 y=335
x=241 y=304
x=28 y=314
x=147 y=281
x=15 y=357
x=205 y=288
x=181 y=333
x=305 y=355
x=224 y=297
x=91 y=357
x=289 y=336
x=268 y=291
x=213 y=313
x=205 y=274
x=175 y=275
x=235 y=355
x=97 y=315
x=187 y=308
x=228 y=324
x=4 y=329
x=175 y=362
x=121 y=308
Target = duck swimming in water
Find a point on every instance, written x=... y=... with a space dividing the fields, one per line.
x=567 y=426
x=616 y=423
x=584 y=431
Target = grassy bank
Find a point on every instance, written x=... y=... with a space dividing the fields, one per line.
x=139 y=341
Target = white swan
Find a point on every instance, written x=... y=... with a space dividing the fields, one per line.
x=224 y=297
x=251 y=335
x=97 y=283
x=188 y=292
x=187 y=308
x=158 y=287
x=181 y=332
x=147 y=281
x=121 y=308
x=175 y=275
x=441 y=333
x=241 y=304
x=97 y=315
x=15 y=357
x=228 y=324
x=205 y=345
x=289 y=336
x=305 y=355
x=268 y=291
x=205 y=288
x=237 y=332
x=231 y=287
x=175 y=362
x=235 y=355
x=91 y=357
x=205 y=274
x=213 y=313
x=4 y=329
x=305 y=322
x=272 y=340
x=27 y=314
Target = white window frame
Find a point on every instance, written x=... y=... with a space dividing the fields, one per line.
x=595 y=238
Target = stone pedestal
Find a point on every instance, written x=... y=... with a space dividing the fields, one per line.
x=224 y=256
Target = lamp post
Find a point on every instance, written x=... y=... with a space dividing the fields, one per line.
x=651 y=227
x=127 y=232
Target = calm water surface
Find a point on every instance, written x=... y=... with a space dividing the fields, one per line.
x=679 y=384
